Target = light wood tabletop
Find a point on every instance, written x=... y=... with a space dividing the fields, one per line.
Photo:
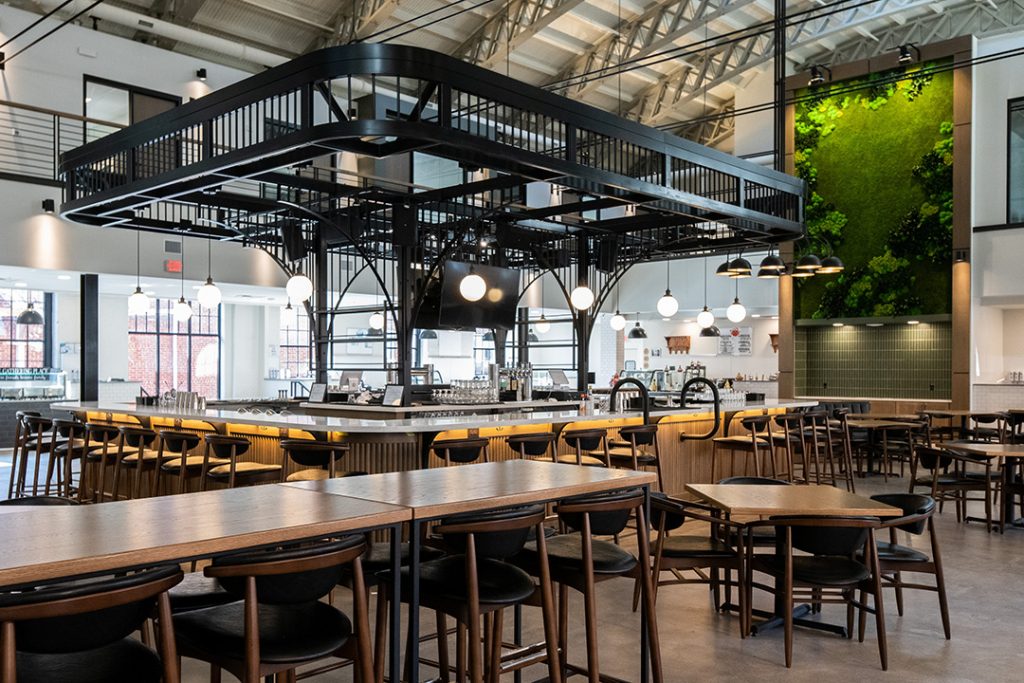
x=483 y=486
x=897 y=417
x=881 y=424
x=989 y=450
x=50 y=542
x=740 y=499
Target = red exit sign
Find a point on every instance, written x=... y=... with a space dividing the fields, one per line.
x=172 y=265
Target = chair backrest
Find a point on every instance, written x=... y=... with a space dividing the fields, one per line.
x=460 y=450
x=137 y=437
x=756 y=424
x=497 y=534
x=39 y=500
x=288 y=576
x=913 y=505
x=932 y=458
x=585 y=439
x=821 y=535
x=641 y=435
x=754 y=481
x=666 y=513
x=986 y=418
x=178 y=442
x=105 y=433
x=69 y=429
x=223 y=446
x=309 y=453
x=608 y=512
x=531 y=444
x=37 y=424
x=71 y=617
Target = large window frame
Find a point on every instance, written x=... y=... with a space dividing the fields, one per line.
x=294 y=342
x=19 y=340
x=205 y=323
x=1014 y=106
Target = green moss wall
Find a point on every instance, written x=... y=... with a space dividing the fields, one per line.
x=877 y=158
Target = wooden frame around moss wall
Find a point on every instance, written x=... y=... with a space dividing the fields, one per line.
x=961 y=50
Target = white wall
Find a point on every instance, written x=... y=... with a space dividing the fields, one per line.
x=242 y=357
x=753 y=134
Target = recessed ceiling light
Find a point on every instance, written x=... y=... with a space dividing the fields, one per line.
x=913 y=322
x=755 y=315
x=688 y=320
x=875 y=324
x=63 y=277
x=837 y=325
x=88 y=100
x=196 y=286
x=151 y=293
x=21 y=284
x=775 y=317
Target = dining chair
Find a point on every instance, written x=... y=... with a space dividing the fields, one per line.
x=755 y=444
x=460 y=451
x=235 y=471
x=589 y=447
x=81 y=630
x=317 y=460
x=637 y=449
x=828 y=573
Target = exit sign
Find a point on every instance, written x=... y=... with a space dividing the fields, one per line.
x=172 y=265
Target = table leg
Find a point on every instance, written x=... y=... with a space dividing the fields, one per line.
x=413 y=642
x=395 y=638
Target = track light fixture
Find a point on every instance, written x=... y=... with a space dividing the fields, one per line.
x=201 y=74
x=908 y=54
x=818 y=72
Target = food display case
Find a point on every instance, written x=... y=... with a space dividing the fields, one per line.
x=20 y=384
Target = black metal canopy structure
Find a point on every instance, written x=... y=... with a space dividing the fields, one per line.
x=259 y=162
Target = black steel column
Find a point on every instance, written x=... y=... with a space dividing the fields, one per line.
x=322 y=305
x=404 y=302
x=49 y=329
x=582 y=323
x=779 y=57
x=89 y=335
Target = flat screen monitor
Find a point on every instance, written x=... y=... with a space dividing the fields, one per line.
x=495 y=310
x=350 y=379
x=318 y=393
x=393 y=394
x=558 y=378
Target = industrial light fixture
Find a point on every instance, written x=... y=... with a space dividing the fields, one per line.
x=723 y=269
x=138 y=302
x=817 y=75
x=617 y=321
x=739 y=267
x=182 y=310
x=808 y=262
x=710 y=331
x=30 y=316
x=637 y=332
x=772 y=266
x=905 y=56
x=736 y=311
x=543 y=326
x=49 y=206
x=376 y=320
x=531 y=337
x=428 y=334
x=830 y=265
x=667 y=305
x=472 y=287
x=209 y=294
x=706 y=318
x=201 y=74
x=299 y=287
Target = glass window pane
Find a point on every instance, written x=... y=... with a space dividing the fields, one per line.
x=1015 y=185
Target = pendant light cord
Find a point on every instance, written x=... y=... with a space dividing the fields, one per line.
x=182 y=268
x=209 y=259
x=138 y=259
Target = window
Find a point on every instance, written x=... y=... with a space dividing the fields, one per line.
x=21 y=346
x=294 y=352
x=165 y=355
x=1015 y=165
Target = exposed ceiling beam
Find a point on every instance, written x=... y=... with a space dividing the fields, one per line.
x=515 y=22
x=718 y=127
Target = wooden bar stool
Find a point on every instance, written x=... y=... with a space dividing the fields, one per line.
x=460 y=451
x=173 y=458
x=541 y=445
x=791 y=441
x=143 y=458
x=585 y=443
x=24 y=443
x=68 y=443
x=839 y=433
x=108 y=453
x=234 y=472
x=319 y=458
x=631 y=451
x=755 y=443
x=818 y=443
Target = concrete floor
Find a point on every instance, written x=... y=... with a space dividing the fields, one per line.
x=987 y=611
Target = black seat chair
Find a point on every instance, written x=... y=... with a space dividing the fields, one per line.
x=589 y=447
x=318 y=459
x=143 y=459
x=894 y=559
x=636 y=449
x=1013 y=426
x=476 y=581
x=24 y=444
x=39 y=500
x=790 y=440
x=460 y=451
x=174 y=458
x=104 y=454
x=540 y=445
x=579 y=561
x=712 y=551
x=81 y=631
x=278 y=621
x=68 y=443
x=235 y=472
x=828 y=574
x=986 y=427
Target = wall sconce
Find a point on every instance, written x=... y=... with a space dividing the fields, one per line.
x=905 y=54
x=817 y=77
x=201 y=74
x=49 y=206
x=961 y=255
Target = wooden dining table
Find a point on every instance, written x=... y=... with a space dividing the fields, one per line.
x=1003 y=455
x=757 y=501
x=46 y=543
x=431 y=494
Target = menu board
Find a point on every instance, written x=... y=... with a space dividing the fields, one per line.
x=736 y=341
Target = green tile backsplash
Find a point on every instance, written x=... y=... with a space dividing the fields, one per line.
x=893 y=361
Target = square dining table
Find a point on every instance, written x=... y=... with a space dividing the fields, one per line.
x=1004 y=454
x=756 y=500
x=431 y=494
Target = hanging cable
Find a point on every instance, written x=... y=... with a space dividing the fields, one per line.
x=50 y=32
x=432 y=23
x=408 y=21
x=35 y=23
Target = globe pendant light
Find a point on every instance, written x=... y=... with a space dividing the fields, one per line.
x=209 y=294
x=618 y=321
x=705 y=318
x=542 y=326
x=667 y=305
x=138 y=302
x=736 y=312
x=376 y=320
x=472 y=287
x=182 y=311
x=30 y=316
x=582 y=297
x=299 y=287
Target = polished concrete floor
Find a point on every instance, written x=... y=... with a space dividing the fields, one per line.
x=983 y=574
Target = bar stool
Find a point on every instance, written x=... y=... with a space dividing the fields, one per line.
x=143 y=458
x=817 y=433
x=541 y=445
x=318 y=457
x=839 y=434
x=631 y=452
x=109 y=452
x=791 y=441
x=754 y=443
x=460 y=451
x=68 y=443
x=179 y=463
x=19 y=456
x=585 y=442
x=234 y=472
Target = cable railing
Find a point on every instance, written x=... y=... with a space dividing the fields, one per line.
x=33 y=138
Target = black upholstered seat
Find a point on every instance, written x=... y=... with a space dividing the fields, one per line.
x=288 y=633
x=378 y=557
x=124 y=661
x=197 y=591
x=900 y=553
x=625 y=456
x=500 y=582
x=565 y=553
x=823 y=571
x=695 y=546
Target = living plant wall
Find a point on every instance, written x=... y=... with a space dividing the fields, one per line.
x=877 y=155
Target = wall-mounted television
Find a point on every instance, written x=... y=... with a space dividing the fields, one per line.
x=497 y=308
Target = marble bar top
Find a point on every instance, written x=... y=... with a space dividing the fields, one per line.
x=431 y=423
x=511 y=406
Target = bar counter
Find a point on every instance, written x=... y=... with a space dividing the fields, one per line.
x=391 y=445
